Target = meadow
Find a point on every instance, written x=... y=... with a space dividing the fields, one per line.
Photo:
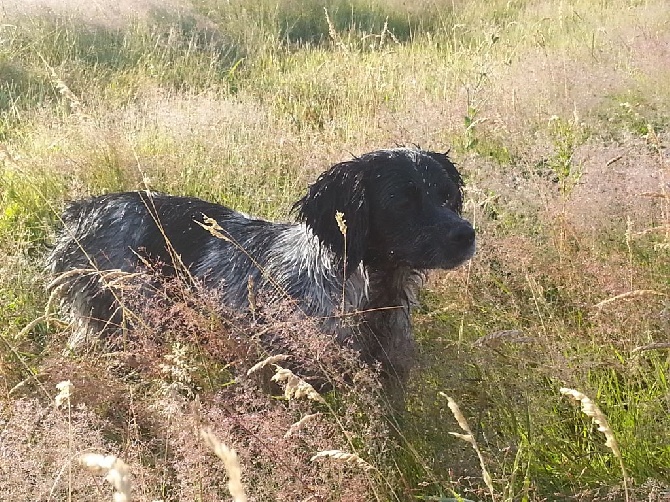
x=556 y=112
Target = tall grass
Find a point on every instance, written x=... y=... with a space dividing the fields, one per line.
x=557 y=114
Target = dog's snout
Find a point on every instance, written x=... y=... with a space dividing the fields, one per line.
x=463 y=235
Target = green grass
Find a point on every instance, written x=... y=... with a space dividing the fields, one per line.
x=555 y=112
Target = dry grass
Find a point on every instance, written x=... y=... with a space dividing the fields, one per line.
x=342 y=456
x=295 y=387
x=229 y=458
x=114 y=469
x=469 y=437
x=592 y=410
x=188 y=369
x=557 y=116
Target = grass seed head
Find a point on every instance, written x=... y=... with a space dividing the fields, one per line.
x=342 y=456
x=297 y=425
x=269 y=360
x=591 y=409
x=230 y=462
x=341 y=222
x=65 y=390
x=295 y=387
x=116 y=472
x=469 y=437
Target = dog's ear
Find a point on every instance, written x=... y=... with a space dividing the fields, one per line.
x=340 y=189
x=452 y=172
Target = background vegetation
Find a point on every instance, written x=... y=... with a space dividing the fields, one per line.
x=557 y=112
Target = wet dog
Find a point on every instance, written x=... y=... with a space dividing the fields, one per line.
x=366 y=231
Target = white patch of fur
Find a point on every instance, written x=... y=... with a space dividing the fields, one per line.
x=299 y=260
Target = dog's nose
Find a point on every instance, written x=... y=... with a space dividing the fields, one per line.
x=463 y=235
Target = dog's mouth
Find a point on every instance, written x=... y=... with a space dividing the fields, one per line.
x=445 y=258
x=444 y=249
x=459 y=259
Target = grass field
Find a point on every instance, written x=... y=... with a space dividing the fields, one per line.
x=558 y=115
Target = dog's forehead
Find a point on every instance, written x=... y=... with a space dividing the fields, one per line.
x=397 y=168
x=431 y=171
x=420 y=168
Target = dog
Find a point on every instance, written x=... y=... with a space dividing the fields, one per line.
x=366 y=232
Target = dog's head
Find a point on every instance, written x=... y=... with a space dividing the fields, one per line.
x=402 y=208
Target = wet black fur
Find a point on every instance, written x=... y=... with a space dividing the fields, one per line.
x=402 y=210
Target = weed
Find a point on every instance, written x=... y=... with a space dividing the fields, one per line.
x=566 y=136
x=592 y=410
x=557 y=116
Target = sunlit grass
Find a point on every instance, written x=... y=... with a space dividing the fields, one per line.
x=557 y=114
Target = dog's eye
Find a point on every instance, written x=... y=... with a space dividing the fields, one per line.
x=452 y=200
x=413 y=194
x=413 y=191
x=444 y=198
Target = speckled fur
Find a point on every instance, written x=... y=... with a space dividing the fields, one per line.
x=402 y=210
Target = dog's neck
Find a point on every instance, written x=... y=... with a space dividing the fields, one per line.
x=397 y=286
x=323 y=280
x=306 y=269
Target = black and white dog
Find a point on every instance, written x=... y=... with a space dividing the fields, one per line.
x=402 y=214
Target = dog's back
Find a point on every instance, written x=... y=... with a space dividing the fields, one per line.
x=122 y=230
x=108 y=240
